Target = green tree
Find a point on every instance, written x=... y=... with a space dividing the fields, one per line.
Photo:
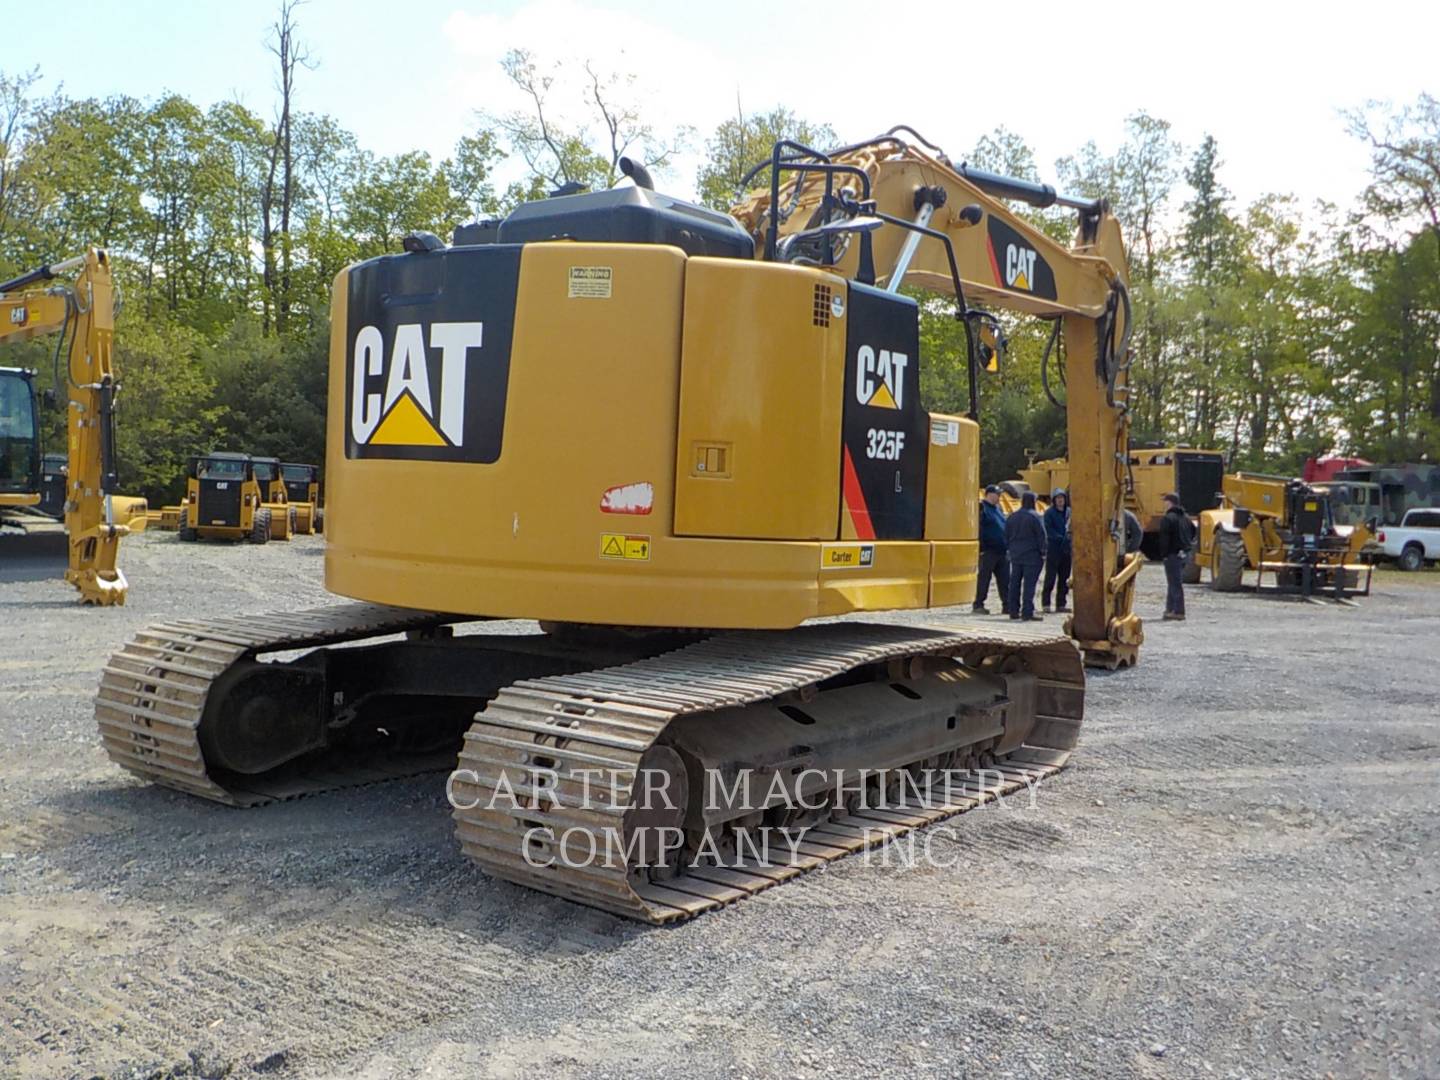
x=560 y=148
x=1138 y=180
x=166 y=410
x=396 y=195
x=739 y=144
x=1210 y=250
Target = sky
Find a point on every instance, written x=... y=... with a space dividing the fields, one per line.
x=1267 y=78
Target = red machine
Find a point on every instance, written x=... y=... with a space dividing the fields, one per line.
x=1318 y=470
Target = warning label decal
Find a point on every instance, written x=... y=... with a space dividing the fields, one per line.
x=590 y=281
x=621 y=546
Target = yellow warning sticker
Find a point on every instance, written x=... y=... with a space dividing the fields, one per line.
x=590 y=281
x=847 y=556
x=620 y=546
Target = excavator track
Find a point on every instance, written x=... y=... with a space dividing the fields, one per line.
x=153 y=693
x=540 y=760
x=537 y=735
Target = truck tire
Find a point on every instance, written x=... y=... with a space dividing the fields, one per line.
x=1191 y=574
x=1411 y=558
x=260 y=528
x=1227 y=561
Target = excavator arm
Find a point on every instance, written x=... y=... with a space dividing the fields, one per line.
x=81 y=309
x=889 y=212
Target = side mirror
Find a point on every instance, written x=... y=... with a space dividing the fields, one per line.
x=990 y=343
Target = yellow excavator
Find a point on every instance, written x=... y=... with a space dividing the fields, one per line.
x=672 y=436
x=76 y=299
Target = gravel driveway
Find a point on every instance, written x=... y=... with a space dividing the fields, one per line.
x=1237 y=877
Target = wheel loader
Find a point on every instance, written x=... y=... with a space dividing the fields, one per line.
x=673 y=437
x=1286 y=529
x=224 y=501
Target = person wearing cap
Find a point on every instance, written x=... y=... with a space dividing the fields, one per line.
x=1174 y=547
x=992 y=554
x=1057 y=551
x=1025 y=543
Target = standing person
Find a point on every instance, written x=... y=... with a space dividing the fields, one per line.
x=1025 y=541
x=1175 y=539
x=992 y=554
x=1057 y=551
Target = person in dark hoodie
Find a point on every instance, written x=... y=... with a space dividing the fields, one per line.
x=992 y=554
x=1057 y=551
x=1175 y=539
x=1025 y=542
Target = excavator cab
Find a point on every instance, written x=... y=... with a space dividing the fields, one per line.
x=223 y=500
x=19 y=439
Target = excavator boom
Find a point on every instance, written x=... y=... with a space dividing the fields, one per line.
x=75 y=298
x=965 y=241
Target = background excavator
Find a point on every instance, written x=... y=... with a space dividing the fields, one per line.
x=672 y=437
x=81 y=309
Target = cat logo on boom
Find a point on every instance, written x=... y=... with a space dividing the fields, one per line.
x=410 y=391
x=880 y=377
x=1016 y=262
x=1019 y=267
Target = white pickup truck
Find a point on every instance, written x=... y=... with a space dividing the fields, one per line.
x=1414 y=542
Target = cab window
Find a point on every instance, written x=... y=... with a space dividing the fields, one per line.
x=17 y=434
x=222 y=469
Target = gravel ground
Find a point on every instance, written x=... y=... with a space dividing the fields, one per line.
x=1237 y=877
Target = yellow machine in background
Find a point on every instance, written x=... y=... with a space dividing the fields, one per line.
x=1284 y=528
x=284 y=518
x=1194 y=475
x=302 y=488
x=672 y=438
x=224 y=501
x=167 y=518
x=46 y=301
x=21 y=485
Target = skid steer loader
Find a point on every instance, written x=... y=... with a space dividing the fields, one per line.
x=284 y=517
x=302 y=487
x=223 y=501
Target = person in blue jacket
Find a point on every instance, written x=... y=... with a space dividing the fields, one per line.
x=992 y=554
x=1057 y=551
x=1025 y=543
